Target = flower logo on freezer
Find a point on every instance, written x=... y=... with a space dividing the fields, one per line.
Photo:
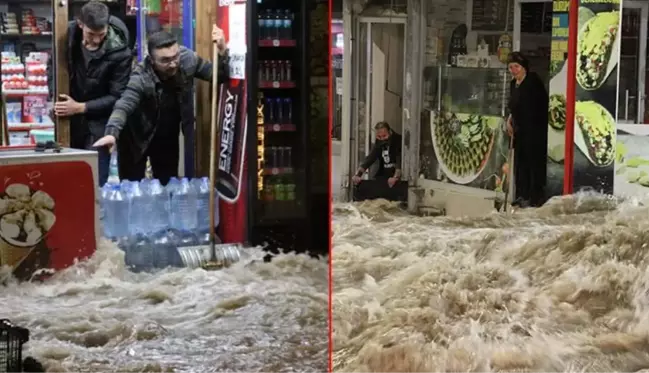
x=26 y=216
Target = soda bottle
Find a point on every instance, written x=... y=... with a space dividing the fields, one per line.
x=288 y=110
x=262 y=26
x=288 y=73
x=279 y=24
x=270 y=112
x=279 y=117
x=288 y=25
x=270 y=23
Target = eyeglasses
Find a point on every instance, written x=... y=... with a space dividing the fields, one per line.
x=166 y=61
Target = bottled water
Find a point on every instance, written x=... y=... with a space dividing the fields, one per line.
x=103 y=197
x=165 y=253
x=183 y=207
x=139 y=255
x=113 y=172
x=202 y=187
x=170 y=189
x=139 y=210
x=116 y=212
x=158 y=200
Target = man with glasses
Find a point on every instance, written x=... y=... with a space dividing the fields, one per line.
x=99 y=62
x=161 y=88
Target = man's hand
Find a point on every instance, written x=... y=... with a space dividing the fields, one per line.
x=218 y=37
x=356 y=179
x=392 y=181
x=108 y=141
x=68 y=107
x=510 y=127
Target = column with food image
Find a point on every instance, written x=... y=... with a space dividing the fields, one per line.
x=598 y=42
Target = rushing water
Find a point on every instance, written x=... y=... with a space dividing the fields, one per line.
x=561 y=288
x=98 y=316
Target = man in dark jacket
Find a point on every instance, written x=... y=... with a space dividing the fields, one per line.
x=387 y=151
x=161 y=88
x=99 y=63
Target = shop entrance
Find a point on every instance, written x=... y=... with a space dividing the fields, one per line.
x=631 y=103
x=534 y=39
x=379 y=87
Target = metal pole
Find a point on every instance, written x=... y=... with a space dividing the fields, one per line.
x=568 y=165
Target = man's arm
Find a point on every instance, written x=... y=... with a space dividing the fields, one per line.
x=118 y=81
x=126 y=105
x=371 y=158
x=397 y=161
x=204 y=69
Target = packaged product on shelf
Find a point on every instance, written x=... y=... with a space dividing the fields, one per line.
x=36 y=71
x=14 y=113
x=13 y=74
x=35 y=111
x=8 y=24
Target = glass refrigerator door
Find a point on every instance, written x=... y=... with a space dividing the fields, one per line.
x=170 y=16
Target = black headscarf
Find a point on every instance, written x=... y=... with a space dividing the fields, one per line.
x=517 y=57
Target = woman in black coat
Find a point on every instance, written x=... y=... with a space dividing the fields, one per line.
x=528 y=123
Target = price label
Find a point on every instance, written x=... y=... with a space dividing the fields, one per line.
x=275 y=84
x=237 y=66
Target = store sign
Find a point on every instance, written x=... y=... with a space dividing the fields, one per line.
x=598 y=55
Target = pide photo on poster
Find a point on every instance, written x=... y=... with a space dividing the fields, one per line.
x=165 y=185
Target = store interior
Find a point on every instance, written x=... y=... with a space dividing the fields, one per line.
x=26 y=40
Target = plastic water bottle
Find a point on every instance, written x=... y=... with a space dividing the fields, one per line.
x=103 y=197
x=183 y=207
x=170 y=189
x=165 y=253
x=113 y=172
x=157 y=200
x=139 y=210
x=202 y=187
x=117 y=212
x=139 y=256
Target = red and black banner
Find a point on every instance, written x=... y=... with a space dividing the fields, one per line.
x=232 y=159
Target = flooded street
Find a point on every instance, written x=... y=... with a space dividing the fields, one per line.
x=563 y=288
x=98 y=316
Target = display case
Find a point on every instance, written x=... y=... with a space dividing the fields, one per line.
x=463 y=137
x=26 y=39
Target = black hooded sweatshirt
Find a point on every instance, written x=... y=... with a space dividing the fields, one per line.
x=388 y=153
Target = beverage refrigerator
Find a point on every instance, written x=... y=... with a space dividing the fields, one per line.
x=264 y=163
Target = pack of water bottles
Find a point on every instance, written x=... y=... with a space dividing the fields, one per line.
x=150 y=221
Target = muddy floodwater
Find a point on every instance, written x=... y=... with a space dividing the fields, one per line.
x=562 y=288
x=100 y=317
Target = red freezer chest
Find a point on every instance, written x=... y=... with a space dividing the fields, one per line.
x=49 y=213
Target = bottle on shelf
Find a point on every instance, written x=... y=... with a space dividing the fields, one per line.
x=287 y=29
x=287 y=108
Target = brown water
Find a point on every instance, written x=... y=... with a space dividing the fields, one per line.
x=561 y=288
x=98 y=316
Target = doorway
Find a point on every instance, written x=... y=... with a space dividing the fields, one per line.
x=631 y=106
x=380 y=85
x=533 y=34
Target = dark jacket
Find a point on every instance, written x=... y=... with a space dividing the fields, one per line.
x=103 y=82
x=388 y=153
x=144 y=92
x=528 y=105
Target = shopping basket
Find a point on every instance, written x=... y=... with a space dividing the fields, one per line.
x=12 y=339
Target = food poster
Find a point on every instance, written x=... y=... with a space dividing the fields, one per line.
x=47 y=217
x=470 y=149
x=598 y=43
x=632 y=160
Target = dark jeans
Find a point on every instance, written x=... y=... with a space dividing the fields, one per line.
x=81 y=138
x=379 y=188
x=163 y=153
x=530 y=173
